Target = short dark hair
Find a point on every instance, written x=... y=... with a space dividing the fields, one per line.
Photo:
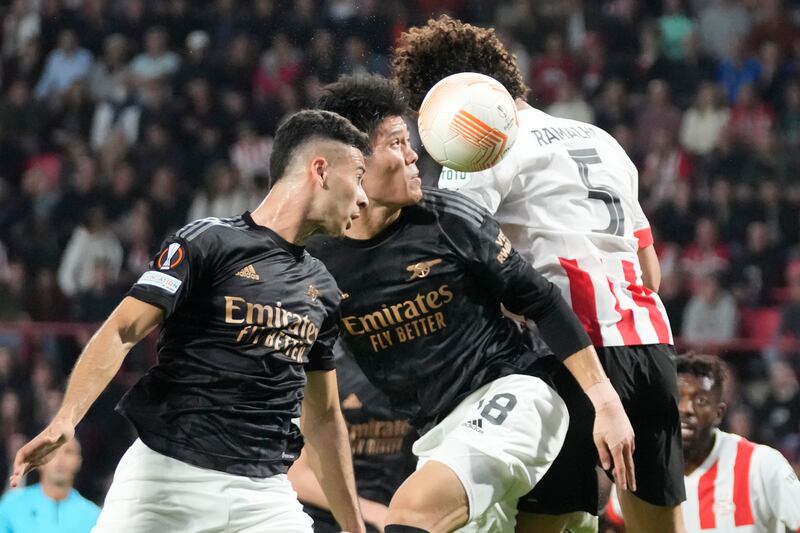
x=306 y=125
x=366 y=100
x=704 y=366
x=445 y=46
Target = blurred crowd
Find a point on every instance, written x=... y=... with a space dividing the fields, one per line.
x=120 y=120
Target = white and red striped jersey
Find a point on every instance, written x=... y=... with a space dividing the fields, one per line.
x=566 y=195
x=741 y=487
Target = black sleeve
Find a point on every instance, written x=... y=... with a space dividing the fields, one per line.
x=170 y=277
x=321 y=355
x=521 y=289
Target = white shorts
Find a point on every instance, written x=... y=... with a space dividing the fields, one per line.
x=499 y=441
x=153 y=493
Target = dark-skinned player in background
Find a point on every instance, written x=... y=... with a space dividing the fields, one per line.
x=732 y=484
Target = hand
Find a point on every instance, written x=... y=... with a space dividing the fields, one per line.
x=41 y=449
x=613 y=434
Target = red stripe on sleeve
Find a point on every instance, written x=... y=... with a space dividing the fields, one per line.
x=581 y=292
x=643 y=297
x=626 y=324
x=743 y=514
x=705 y=498
x=645 y=237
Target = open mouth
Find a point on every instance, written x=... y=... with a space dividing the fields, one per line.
x=687 y=430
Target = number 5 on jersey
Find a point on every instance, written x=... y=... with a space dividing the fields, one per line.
x=589 y=156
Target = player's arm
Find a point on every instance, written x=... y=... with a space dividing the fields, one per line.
x=129 y=323
x=310 y=492
x=328 y=448
x=651 y=270
x=646 y=251
x=525 y=292
x=781 y=488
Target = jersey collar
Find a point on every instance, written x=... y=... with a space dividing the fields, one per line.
x=294 y=249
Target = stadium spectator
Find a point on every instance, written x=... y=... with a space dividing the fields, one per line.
x=554 y=66
x=779 y=416
x=773 y=24
x=21 y=24
x=657 y=113
x=675 y=27
x=736 y=71
x=705 y=255
x=279 y=67
x=52 y=504
x=703 y=122
x=751 y=118
x=711 y=316
x=91 y=243
x=665 y=166
x=156 y=62
x=613 y=108
x=250 y=154
x=758 y=271
x=220 y=197
x=651 y=64
x=65 y=65
x=19 y=114
x=570 y=104
x=721 y=25
x=789 y=115
x=676 y=217
x=108 y=79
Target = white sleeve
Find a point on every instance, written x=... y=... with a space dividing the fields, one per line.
x=781 y=487
x=488 y=188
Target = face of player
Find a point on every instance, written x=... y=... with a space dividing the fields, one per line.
x=392 y=178
x=66 y=462
x=346 y=197
x=700 y=408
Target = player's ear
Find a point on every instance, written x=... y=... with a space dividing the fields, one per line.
x=319 y=170
x=722 y=408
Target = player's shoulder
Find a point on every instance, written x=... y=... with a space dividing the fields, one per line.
x=83 y=505
x=449 y=205
x=16 y=498
x=763 y=458
x=210 y=227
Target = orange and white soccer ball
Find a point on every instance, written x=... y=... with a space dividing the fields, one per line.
x=468 y=122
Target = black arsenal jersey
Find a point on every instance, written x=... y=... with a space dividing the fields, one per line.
x=246 y=314
x=379 y=439
x=421 y=305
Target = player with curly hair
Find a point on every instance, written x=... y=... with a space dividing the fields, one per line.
x=566 y=195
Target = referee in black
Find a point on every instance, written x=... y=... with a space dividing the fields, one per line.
x=248 y=320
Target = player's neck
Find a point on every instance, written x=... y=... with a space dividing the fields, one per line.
x=56 y=492
x=373 y=220
x=285 y=212
x=521 y=104
x=695 y=457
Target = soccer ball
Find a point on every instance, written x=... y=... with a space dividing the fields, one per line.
x=468 y=122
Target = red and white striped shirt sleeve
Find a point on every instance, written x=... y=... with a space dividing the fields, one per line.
x=781 y=487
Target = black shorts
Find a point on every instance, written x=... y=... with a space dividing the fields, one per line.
x=646 y=381
x=324 y=522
